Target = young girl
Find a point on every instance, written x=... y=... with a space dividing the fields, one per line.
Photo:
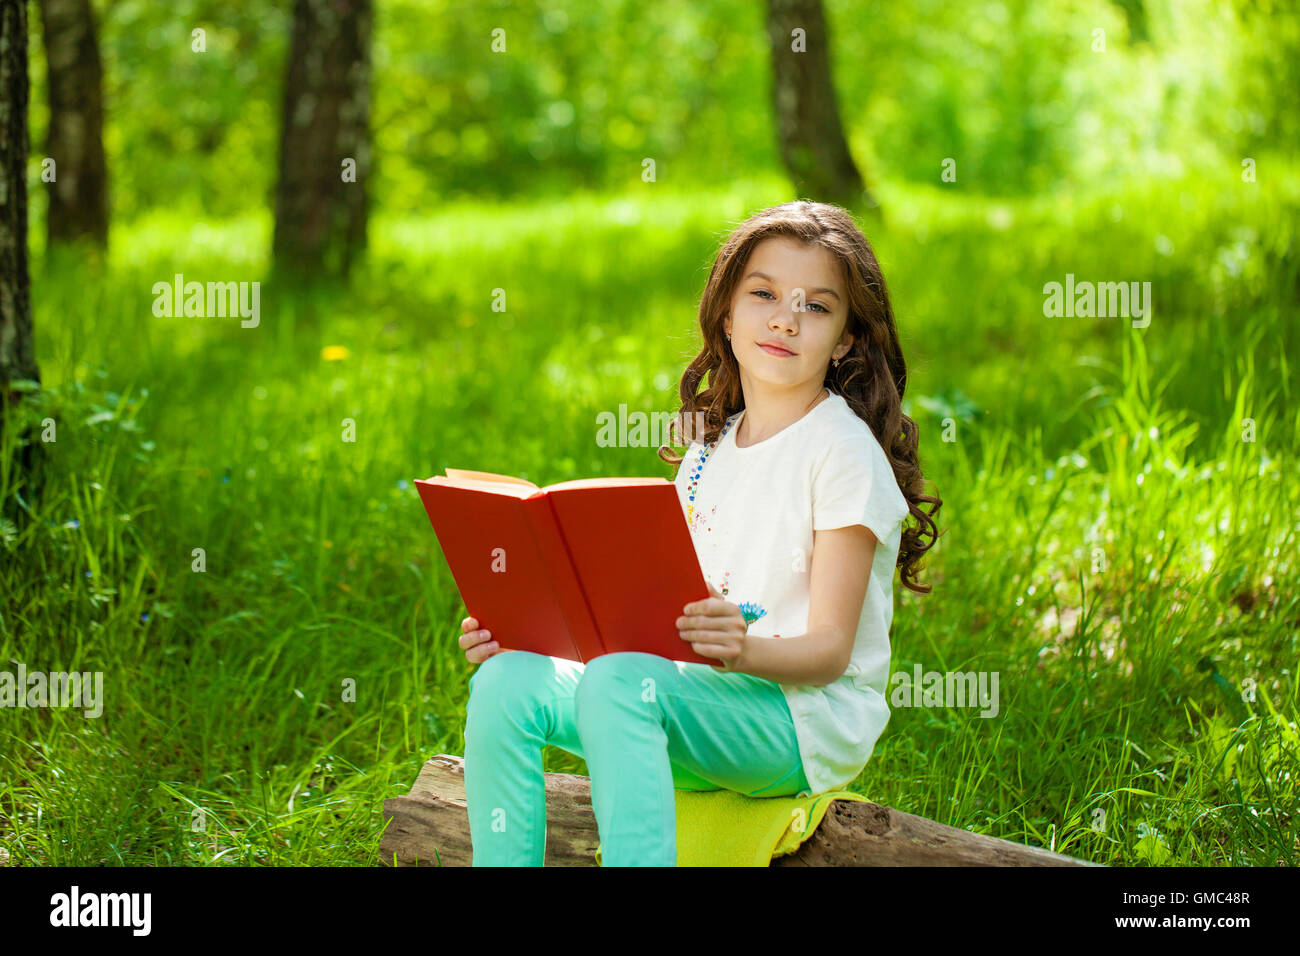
x=795 y=497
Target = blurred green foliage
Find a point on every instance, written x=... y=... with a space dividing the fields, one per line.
x=1013 y=90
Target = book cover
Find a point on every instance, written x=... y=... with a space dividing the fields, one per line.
x=574 y=570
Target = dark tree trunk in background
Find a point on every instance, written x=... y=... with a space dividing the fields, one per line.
x=1135 y=15
x=320 y=220
x=813 y=147
x=79 y=193
x=17 y=357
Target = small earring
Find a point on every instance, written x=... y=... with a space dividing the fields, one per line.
x=837 y=363
x=728 y=336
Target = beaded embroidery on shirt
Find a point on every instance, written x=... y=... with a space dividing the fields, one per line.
x=750 y=610
x=693 y=481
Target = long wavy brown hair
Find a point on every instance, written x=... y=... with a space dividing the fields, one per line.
x=871 y=377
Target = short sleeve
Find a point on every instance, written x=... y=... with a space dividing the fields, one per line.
x=854 y=484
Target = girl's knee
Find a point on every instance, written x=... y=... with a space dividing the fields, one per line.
x=505 y=673
x=621 y=667
x=507 y=692
x=620 y=678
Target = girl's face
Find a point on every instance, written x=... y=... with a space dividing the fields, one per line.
x=766 y=309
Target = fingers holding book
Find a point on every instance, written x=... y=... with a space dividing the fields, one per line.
x=475 y=642
x=715 y=628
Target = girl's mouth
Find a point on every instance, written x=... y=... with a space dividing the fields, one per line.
x=771 y=350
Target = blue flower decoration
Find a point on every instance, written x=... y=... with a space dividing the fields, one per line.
x=752 y=612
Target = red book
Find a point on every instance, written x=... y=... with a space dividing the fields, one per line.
x=573 y=570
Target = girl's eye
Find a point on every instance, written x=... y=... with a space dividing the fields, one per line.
x=810 y=305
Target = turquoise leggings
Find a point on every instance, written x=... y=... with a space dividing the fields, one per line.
x=644 y=724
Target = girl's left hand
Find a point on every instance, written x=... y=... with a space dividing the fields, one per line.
x=716 y=628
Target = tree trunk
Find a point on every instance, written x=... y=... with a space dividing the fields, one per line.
x=17 y=357
x=75 y=141
x=320 y=216
x=812 y=142
x=430 y=827
x=1135 y=15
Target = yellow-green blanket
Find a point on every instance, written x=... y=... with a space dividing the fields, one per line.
x=725 y=828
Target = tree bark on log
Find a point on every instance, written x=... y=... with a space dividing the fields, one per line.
x=430 y=827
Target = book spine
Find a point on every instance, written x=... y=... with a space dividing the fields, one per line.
x=564 y=578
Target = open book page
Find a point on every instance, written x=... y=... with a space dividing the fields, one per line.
x=615 y=482
x=519 y=488
x=464 y=473
x=508 y=489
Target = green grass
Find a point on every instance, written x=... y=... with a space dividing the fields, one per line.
x=1106 y=528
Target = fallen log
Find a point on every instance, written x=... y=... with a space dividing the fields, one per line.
x=430 y=827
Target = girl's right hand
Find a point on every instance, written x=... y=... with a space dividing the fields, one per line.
x=478 y=645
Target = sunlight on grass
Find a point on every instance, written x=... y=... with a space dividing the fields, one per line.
x=1109 y=526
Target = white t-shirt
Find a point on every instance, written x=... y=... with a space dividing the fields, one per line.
x=752 y=520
